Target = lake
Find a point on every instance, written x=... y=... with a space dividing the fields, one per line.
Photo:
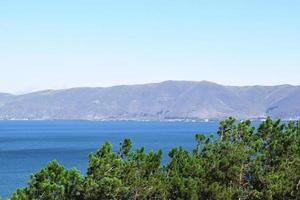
x=27 y=146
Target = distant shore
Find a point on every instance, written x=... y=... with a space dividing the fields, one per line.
x=143 y=120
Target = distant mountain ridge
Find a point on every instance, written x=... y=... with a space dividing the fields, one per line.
x=169 y=100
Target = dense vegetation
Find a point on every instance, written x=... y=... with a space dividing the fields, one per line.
x=240 y=163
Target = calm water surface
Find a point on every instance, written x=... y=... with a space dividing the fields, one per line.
x=26 y=146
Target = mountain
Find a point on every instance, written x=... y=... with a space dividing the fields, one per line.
x=169 y=100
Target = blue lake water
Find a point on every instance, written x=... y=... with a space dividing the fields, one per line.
x=26 y=146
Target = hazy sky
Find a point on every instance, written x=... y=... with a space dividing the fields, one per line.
x=70 y=43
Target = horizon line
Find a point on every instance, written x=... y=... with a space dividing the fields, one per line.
x=141 y=84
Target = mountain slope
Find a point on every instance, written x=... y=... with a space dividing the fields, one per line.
x=159 y=101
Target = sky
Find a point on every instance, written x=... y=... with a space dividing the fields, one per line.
x=57 y=44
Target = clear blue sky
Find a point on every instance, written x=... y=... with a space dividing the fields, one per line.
x=70 y=43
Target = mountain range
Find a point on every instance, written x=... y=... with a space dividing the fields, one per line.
x=169 y=100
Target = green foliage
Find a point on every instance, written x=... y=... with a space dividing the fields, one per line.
x=53 y=183
x=240 y=163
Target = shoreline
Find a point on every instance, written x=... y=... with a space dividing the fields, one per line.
x=144 y=120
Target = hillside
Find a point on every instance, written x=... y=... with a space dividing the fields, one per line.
x=160 y=101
